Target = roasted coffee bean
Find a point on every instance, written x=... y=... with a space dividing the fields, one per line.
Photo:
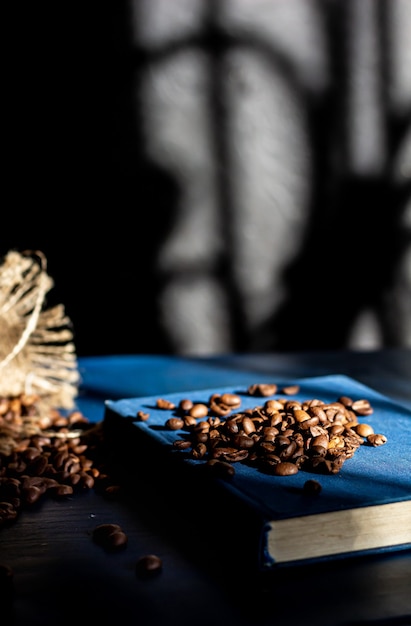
x=243 y=441
x=175 y=423
x=312 y=487
x=336 y=429
x=182 y=444
x=376 y=439
x=8 y=513
x=74 y=479
x=320 y=440
x=86 y=480
x=202 y=436
x=218 y=408
x=117 y=540
x=234 y=456
x=270 y=433
x=142 y=416
x=220 y=469
x=149 y=565
x=110 y=536
x=290 y=390
x=288 y=451
x=301 y=415
x=199 y=451
x=189 y=421
x=162 y=403
x=362 y=407
x=201 y=427
x=285 y=469
x=268 y=447
x=319 y=412
x=32 y=494
x=30 y=453
x=364 y=430
x=198 y=410
x=346 y=401
x=231 y=426
x=9 y=488
x=318 y=450
x=248 y=425
x=231 y=399
x=185 y=404
x=263 y=389
x=61 y=491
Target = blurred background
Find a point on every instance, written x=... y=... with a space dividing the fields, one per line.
x=211 y=176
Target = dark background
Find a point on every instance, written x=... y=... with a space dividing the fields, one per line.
x=79 y=186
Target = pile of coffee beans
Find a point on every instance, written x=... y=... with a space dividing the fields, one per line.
x=279 y=435
x=45 y=454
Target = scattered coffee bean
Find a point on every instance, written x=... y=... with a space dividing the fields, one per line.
x=376 y=439
x=185 y=404
x=220 y=469
x=262 y=389
x=175 y=423
x=142 y=416
x=364 y=430
x=149 y=565
x=165 y=404
x=182 y=444
x=362 y=407
x=290 y=390
x=285 y=468
x=101 y=531
x=312 y=487
x=198 y=410
x=110 y=536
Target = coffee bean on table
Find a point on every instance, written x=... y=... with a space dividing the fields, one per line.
x=110 y=536
x=285 y=468
x=220 y=469
x=149 y=565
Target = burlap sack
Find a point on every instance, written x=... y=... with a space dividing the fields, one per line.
x=37 y=353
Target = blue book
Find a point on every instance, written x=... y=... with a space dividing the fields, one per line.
x=323 y=483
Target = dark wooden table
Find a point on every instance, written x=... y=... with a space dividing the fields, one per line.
x=62 y=577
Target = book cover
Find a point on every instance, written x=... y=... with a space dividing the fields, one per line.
x=357 y=503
